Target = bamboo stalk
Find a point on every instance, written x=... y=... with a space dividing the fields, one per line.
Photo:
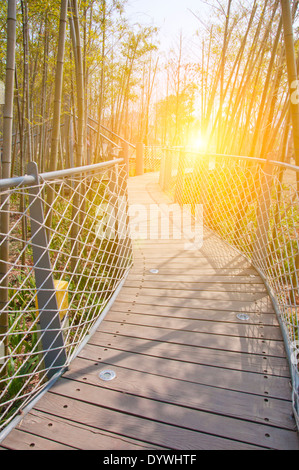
x=6 y=166
x=57 y=107
x=294 y=104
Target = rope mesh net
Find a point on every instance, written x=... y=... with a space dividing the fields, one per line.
x=152 y=158
x=89 y=247
x=254 y=206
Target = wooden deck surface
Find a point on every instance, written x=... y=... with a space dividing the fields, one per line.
x=189 y=373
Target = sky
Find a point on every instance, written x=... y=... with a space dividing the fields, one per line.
x=171 y=16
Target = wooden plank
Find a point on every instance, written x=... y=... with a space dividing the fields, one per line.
x=212 y=247
x=133 y=426
x=190 y=300
x=259 y=384
x=186 y=257
x=183 y=270
x=212 y=244
x=193 y=262
x=205 y=279
x=221 y=401
x=167 y=270
x=53 y=428
x=222 y=426
x=248 y=331
x=204 y=340
x=22 y=440
x=180 y=242
x=195 y=286
x=209 y=239
x=263 y=305
x=207 y=356
x=195 y=314
x=170 y=290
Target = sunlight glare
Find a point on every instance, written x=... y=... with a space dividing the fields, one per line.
x=199 y=142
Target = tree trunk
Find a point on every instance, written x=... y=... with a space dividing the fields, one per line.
x=75 y=34
x=58 y=87
x=57 y=106
x=258 y=124
x=26 y=91
x=222 y=67
x=102 y=79
x=6 y=164
x=76 y=209
x=292 y=73
x=294 y=105
x=42 y=137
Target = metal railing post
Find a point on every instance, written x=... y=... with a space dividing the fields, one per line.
x=139 y=159
x=179 y=186
x=162 y=167
x=167 y=170
x=125 y=155
x=49 y=319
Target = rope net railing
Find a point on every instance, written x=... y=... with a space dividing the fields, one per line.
x=151 y=159
x=254 y=206
x=69 y=251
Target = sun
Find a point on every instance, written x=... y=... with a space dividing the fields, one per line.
x=199 y=142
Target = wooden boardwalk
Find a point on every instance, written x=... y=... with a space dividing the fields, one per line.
x=189 y=373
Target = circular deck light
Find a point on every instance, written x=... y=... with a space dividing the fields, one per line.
x=243 y=317
x=107 y=375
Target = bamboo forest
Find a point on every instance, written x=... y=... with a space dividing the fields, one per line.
x=149 y=242
x=230 y=97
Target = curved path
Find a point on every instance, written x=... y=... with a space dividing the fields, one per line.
x=191 y=372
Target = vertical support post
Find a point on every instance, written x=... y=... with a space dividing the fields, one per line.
x=179 y=187
x=139 y=159
x=49 y=319
x=167 y=170
x=125 y=156
x=263 y=215
x=162 y=167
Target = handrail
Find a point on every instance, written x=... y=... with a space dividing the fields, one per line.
x=113 y=133
x=244 y=157
x=104 y=137
x=28 y=180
